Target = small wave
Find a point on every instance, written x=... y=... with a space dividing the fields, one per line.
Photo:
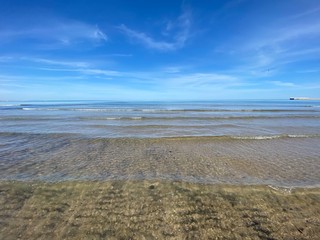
x=224 y=110
x=136 y=118
x=204 y=118
x=208 y=136
x=112 y=118
x=9 y=105
x=97 y=110
x=40 y=109
x=302 y=136
x=88 y=109
x=120 y=118
x=257 y=137
x=165 y=110
x=175 y=127
x=267 y=137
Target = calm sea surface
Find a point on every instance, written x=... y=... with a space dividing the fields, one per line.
x=37 y=135
x=164 y=119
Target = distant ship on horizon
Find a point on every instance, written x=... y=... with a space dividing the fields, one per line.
x=303 y=98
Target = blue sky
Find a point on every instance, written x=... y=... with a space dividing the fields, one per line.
x=159 y=50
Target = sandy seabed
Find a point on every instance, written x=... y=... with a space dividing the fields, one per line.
x=156 y=210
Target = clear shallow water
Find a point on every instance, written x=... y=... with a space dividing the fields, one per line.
x=250 y=142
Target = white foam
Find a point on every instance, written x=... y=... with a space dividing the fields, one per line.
x=41 y=109
x=100 y=110
x=286 y=190
x=257 y=137
x=266 y=137
x=151 y=110
x=136 y=118
x=113 y=118
x=9 y=105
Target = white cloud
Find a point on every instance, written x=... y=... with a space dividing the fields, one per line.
x=283 y=84
x=36 y=78
x=146 y=40
x=58 y=31
x=295 y=32
x=307 y=51
x=92 y=71
x=199 y=79
x=73 y=66
x=6 y=59
x=69 y=68
x=277 y=44
x=119 y=55
x=173 y=69
x=64 y=63
x=176 y=34
x=305 y=13
x=308 y=71
x=277 y=47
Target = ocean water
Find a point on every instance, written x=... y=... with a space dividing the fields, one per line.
x=260 y=119
x=268 y=142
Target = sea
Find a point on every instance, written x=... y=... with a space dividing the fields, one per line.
x=262 y=141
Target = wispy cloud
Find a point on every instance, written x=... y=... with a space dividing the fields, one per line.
x=283 y=84
x=289 y=33
x=164 y=77
x=6 y=58
x=59 y=31
x=172 y=69
x=86 y=68
x=303 y=52
x=279 y=47
x=309 y=71
x=308 y=12
x=104 y=72
x=64 y=63
x=202 y=79
x=177 y=33
x=44 y=67
x=146 y=40
x=119 y=55
x=278 y=44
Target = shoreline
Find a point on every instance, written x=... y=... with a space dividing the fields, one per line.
x=156 y=210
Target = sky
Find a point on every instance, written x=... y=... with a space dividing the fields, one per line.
x=159 y=50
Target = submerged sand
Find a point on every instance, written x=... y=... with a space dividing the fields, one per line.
x=281 y=162
x=156 y=210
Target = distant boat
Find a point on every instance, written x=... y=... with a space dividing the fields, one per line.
x=303 y=98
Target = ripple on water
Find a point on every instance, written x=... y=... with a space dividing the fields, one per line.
x=59 y=157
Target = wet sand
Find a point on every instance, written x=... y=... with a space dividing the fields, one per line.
x=156 y=210
x=67 y=187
